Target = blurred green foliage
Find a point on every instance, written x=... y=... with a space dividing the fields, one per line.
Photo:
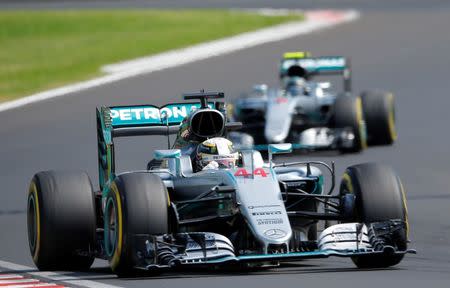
x=45 y=49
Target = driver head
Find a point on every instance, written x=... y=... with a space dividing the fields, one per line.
x=217 y=152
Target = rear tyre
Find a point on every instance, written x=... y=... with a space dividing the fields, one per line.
x=379 y=113
x=379 y=197
x=348 y=114
x=137 y=203
x=61 y=220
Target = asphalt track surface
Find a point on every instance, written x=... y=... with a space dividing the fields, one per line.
x=402 y=50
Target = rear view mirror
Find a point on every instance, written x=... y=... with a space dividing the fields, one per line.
x=278 y=149
x=167 y=154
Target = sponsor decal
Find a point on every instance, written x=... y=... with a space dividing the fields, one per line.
x=263 y=206
x=139 y=115
x=242 y=172
x=266 y=213
x=272 y=221
x=275 y=233
x=323 y=63
x=222 y=157
x=295 y=184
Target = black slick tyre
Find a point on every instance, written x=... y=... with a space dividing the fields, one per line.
x=379 y=113
x=61 y=220
x=379 y=196
x=137 y=204
x=348 y=114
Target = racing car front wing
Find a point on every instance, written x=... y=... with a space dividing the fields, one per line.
x=205 y=248
x=312 y=139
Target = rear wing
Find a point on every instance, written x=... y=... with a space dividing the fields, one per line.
x=148 y=119
x=325 y=65
x=125 y=121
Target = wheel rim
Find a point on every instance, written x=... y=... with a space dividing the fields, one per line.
x=32 y=223
x=111 y=227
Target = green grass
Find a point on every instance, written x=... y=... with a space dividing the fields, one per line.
x=46 y=49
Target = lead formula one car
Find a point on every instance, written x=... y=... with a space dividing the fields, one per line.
x=310 y=114
x=174 y=215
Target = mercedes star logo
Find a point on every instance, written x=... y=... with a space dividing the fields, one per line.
x=275 y=233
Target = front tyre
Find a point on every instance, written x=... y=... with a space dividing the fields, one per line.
x=348 y=113
x=61 y=220
x=379 y=113
x=379 y=196
x=137 y=203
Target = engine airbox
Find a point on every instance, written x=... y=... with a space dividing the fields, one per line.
x=207 y=123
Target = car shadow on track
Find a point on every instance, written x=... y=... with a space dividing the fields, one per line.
x=105 y=273
x=198 y=272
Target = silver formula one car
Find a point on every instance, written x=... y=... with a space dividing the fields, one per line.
x=312 y=116
x=174 y=214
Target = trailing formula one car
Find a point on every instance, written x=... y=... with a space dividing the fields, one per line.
x=204 y=203
x=310 y=115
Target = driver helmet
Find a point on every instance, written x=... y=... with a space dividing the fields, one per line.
x=216 y=153
x=260 y=89
x=294 y=85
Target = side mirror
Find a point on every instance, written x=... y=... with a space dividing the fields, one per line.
x=278 y=149
x=170 y=154
x=167 y=154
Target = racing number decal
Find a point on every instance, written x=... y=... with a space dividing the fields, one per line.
x=281 y=100
x=260 y=172
x=242 y=172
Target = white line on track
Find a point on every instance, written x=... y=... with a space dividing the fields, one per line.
x=315 y=20
x=53 y=276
